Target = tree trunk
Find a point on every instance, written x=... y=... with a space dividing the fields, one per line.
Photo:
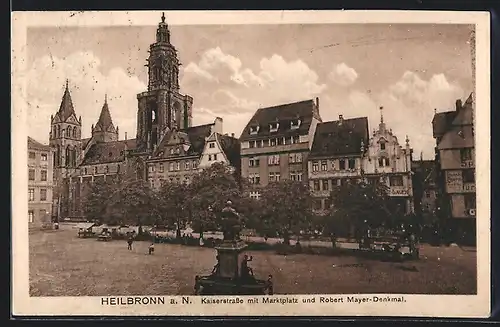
x=178 y=232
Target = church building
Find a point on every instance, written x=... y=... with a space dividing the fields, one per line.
x=163 y=114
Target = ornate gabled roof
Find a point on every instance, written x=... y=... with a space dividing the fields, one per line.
x=66 y=108
x=341 y=137
x=105 y=122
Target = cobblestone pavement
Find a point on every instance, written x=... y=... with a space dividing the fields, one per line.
x=61 y=264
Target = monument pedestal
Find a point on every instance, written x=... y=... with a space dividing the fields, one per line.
x=229 y=253
x=226 y=278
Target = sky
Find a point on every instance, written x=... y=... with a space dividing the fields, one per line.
x=232 y=70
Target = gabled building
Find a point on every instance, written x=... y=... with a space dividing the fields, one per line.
x=456 y=176
x=336 y=157
x=183 y=153
x=389 y=163
x=40 y=183
x=425 y=189
x=276 y=142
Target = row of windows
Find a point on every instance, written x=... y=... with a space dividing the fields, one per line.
x=176 y=166
x=343 y=164
x=274 y=160
x=85 y=171
x=32 y=156
x=273 y=127
x=158 y=182
x=275 y=177
x=31 y=194
x=68 y=132
x=325 y=185
x=32 y=175
x=274 y=142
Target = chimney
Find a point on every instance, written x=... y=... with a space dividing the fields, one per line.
x=232 y=134
x=125 y=136
x=217 y=127
x=458 y=104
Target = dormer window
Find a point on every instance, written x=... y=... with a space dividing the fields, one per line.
x=382 y=145
x=254 y=129
x=211 y=145
x=295 y=124
x=273 y=127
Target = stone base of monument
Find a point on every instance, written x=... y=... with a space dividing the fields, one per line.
x=227 y=279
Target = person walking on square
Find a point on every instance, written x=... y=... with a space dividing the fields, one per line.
x=129 y=242
x=152 y=248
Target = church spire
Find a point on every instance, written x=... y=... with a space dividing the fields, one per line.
x=105 y=120
x=162 y=33
x=66 y=108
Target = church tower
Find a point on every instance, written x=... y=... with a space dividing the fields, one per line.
x=65 y=139
x=65 y=134
x=162 y=107
x=104 y=130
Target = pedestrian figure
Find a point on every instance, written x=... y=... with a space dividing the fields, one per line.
x=152 y=248
x=129 y=242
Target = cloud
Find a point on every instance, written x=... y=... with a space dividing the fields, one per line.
x=221 y=83
x=408 y=107
x=88 y=85
x=343 y=75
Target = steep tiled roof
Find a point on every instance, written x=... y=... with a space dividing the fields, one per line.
x=35 y=145
x=332 y=138
x=283 y=114
x=231 y=148
x=108 y=152
x=66 y=108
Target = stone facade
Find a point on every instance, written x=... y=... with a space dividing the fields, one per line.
x=40 y=183
x=388 y=162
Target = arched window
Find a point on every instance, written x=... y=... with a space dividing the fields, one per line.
x=68 y=131
x=54 y=135
x=58 y=130
x=73 y=157
x=67 y=156
x=74 y=133
x=58 y=156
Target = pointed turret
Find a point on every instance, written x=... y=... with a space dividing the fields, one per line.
x=66 y=108
x=104 y=130
x=105 y=121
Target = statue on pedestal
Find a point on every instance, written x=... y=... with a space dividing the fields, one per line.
x=230 y=275
x=231 y=224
